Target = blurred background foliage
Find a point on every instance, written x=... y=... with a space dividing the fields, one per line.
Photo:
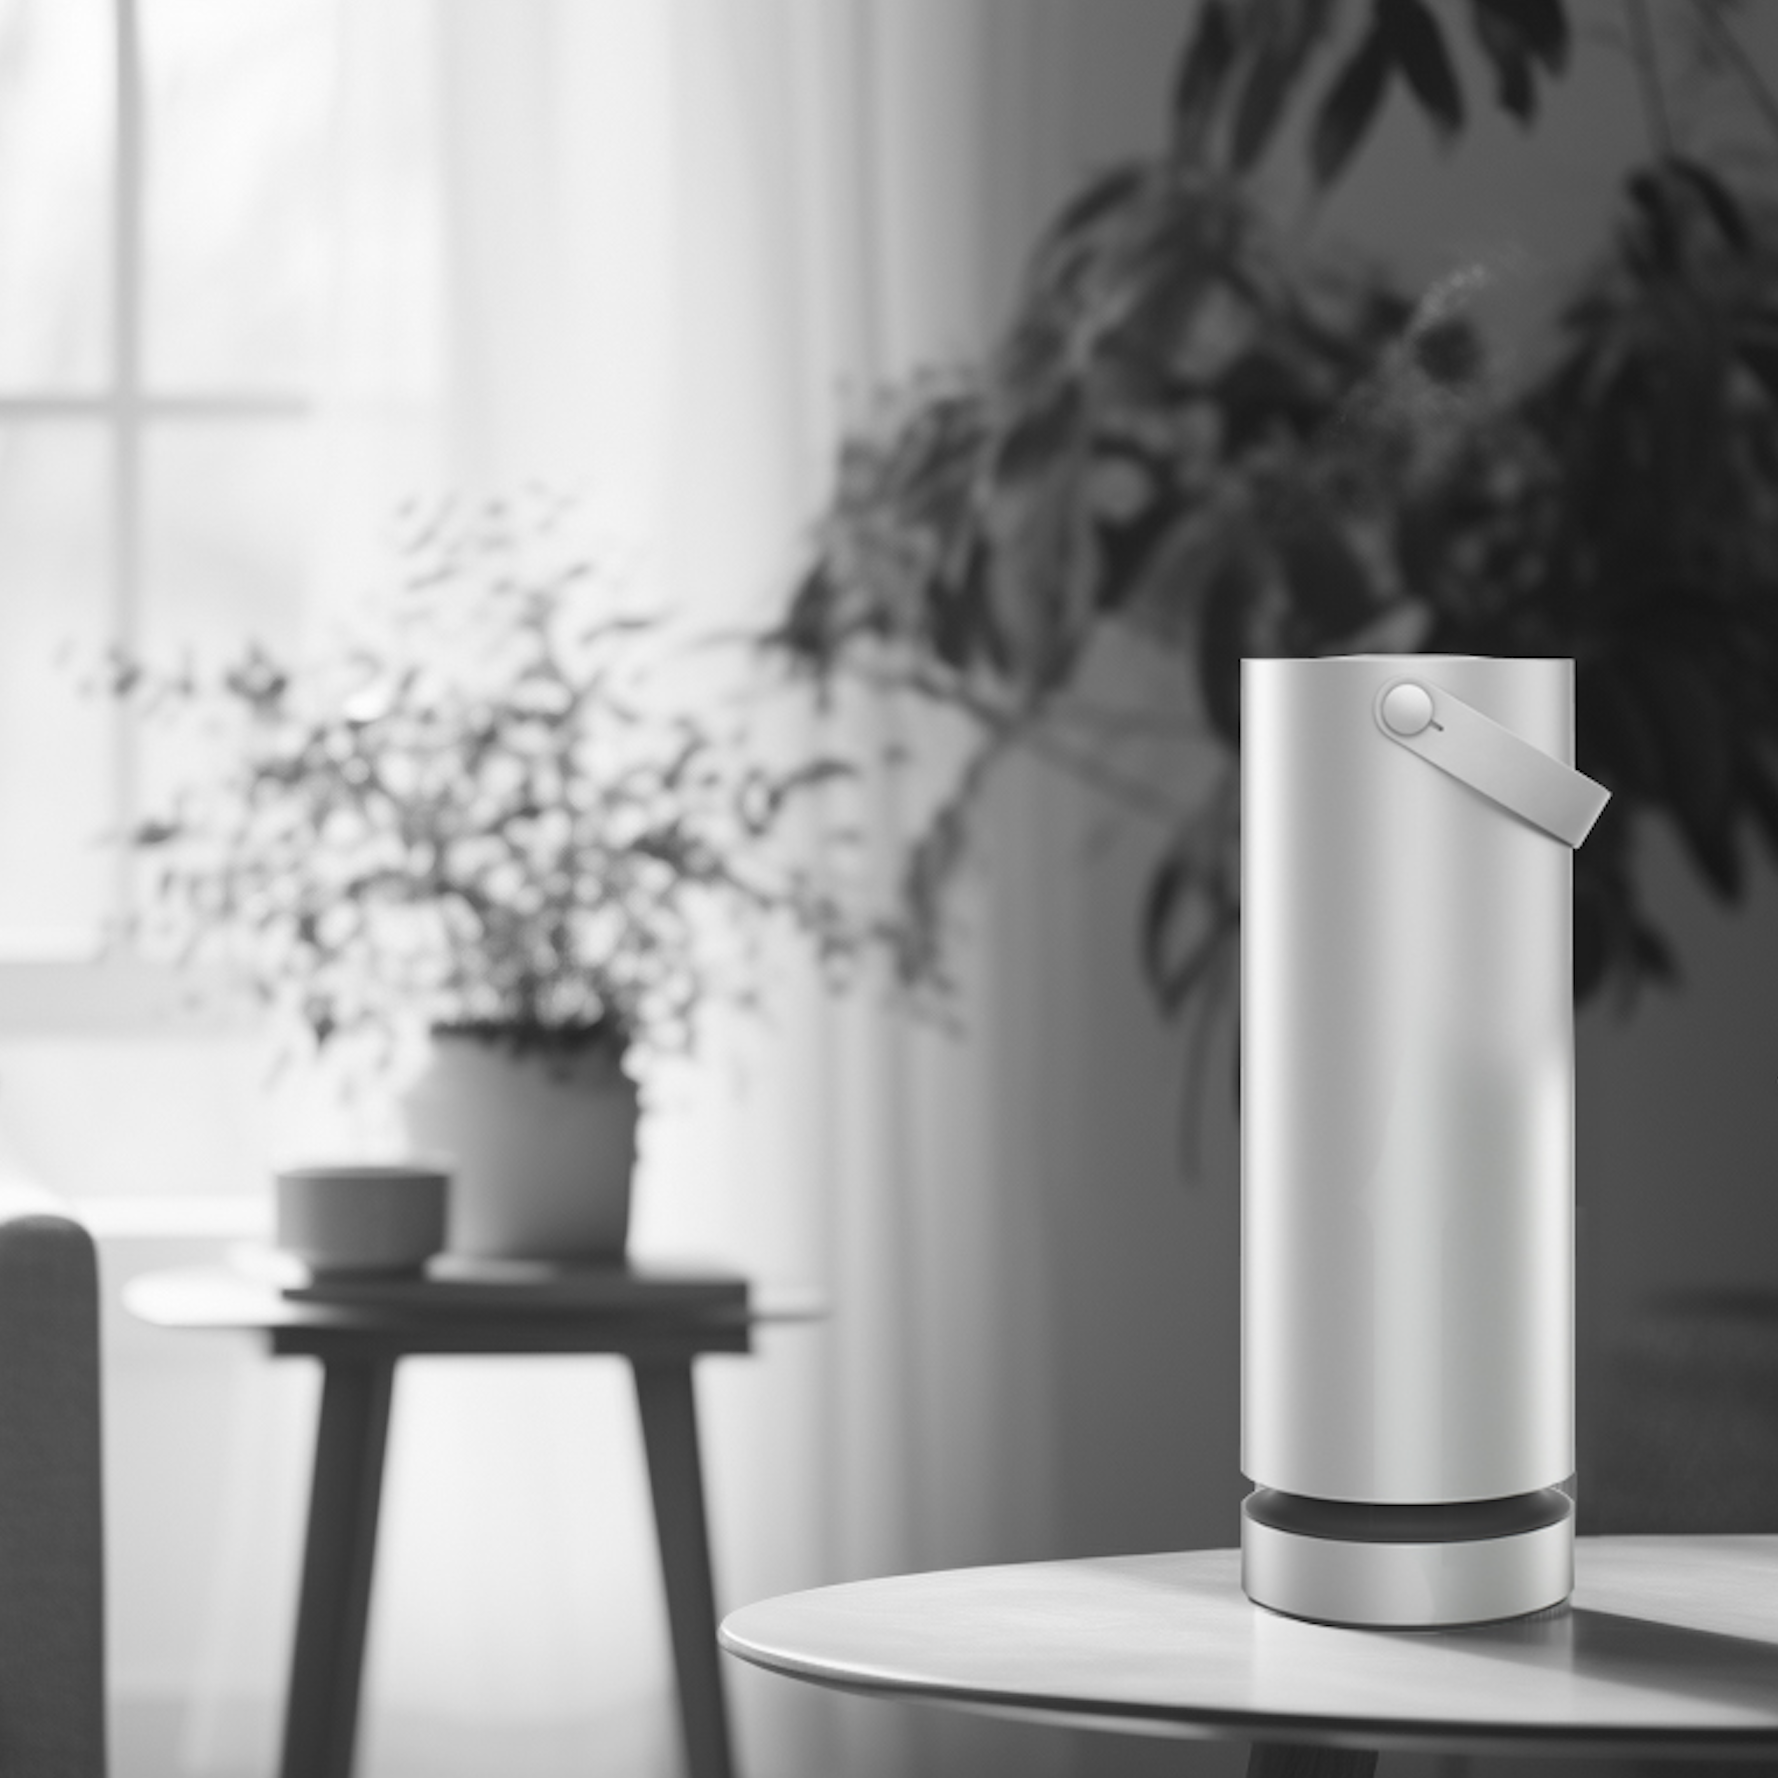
x=1194 y=434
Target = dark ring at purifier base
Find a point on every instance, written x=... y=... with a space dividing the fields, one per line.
x=1463 y=1521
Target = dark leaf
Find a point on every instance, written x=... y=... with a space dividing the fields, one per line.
x=1290 y=35
x=1653 y=955
x=1222 y=643
x=1259 y=392
x=1757 y=348
x=1329 y=587
x=1604 y=919
x=1541 y=25
x=1268 y=84
x=1418 y=46
x=1166 y=888
x=960 y=623
x=1215 y=1007
x=1126 y=548
x=1450 y=351
x=1654 y=245
x=1618 y=741
x=1033 y=445
x=1199 y=82
x=1100 y=195
x=1591 y=950
x=1699 y=749
x=1761 y=795
x=1187 y=920
x=1350 y=107
x=1717 y=199
x=806 y=629
x=1510 y=55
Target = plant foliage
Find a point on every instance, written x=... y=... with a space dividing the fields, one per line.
x=1188 y=432
x=487 y=821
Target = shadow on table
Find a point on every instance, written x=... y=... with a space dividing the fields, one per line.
x=1605 y=1647
x=1679 y=1436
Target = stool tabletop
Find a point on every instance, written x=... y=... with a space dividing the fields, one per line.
x=490 y=1307
x=1670 y=1647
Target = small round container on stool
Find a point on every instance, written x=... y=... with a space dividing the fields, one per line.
x=362 y=1217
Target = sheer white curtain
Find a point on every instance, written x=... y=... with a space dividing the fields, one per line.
x=656 y=249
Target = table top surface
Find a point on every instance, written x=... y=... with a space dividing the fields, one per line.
x=511 y=1307
x=1670 y=1646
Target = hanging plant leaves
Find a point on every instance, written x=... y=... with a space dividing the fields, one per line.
x=1176 y=895
x=1760 y=793
x=1603 y=923
x=1451 y=352
x=1197 y=88
x=1192 y=906
x=1329 y=587
x=1618 y=741
x=1259 y=391
x=1127 y=543
x=1541 y=25
x=1653 y=956
x=1048 y=431
x=1350 y=106
x=1717 y=200
x=1652 y=243
x=1262 y=101
x=1756 y=345
x=1418 y=47
x=806 y=632
x=1284 y=48
x=1506 y=49
x=1515 y=35
x=1589 y=938
x=960 y=618
x=1692 y=723
x=1098 y=199
x=1222 y=642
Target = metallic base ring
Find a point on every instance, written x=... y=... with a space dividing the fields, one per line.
x=1407 y=1567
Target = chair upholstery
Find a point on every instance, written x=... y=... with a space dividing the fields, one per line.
x=52 y=1625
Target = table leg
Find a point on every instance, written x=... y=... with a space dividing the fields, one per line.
x=1273 y=1760
x=321 y=1714
x=670 y=1433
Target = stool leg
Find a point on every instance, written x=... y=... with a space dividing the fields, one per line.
x=1270 y=1760
x=321 y=1714
x=670 y=1433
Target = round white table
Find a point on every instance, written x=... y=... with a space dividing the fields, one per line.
x=1669 y=1649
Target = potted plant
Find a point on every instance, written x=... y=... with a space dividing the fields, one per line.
x=1196 y=435
x=483 y=824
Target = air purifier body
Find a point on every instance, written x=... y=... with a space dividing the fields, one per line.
x=1407 y=1086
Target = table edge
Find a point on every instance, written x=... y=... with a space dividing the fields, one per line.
x=1381 y=1735
x=264 y=1309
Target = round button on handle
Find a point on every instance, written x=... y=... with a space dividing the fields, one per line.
x=1507 y=769
x=1407 y=708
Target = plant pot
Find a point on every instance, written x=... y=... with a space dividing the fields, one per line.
x=362 y=1217
x=542 y=1143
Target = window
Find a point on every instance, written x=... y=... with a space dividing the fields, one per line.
x=162 y=174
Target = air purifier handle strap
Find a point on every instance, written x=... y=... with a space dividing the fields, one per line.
x=1477 y=751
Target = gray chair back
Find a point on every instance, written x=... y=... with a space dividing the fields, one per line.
x=52 y=1592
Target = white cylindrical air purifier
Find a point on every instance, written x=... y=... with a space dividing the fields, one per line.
x=1407 y=1085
